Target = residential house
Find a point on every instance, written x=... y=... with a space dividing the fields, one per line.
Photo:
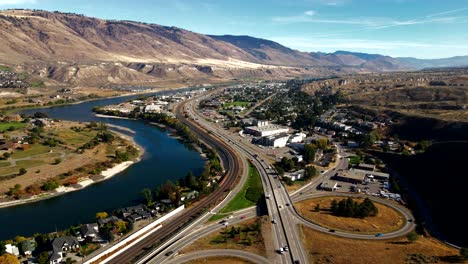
x=61 y=245
x=111 y=219
x=13 y=118
x=28 y=246
x=89 y=231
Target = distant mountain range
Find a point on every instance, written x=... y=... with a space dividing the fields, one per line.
x=73 y=48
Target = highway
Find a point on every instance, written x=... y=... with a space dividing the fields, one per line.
x=280 y=206
x=285 y=232
x=234 y=169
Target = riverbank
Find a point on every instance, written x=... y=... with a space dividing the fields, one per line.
x=85 y=182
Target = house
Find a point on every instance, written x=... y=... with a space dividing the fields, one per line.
x=89 y=231
x=294 y=176
x=111 y=219
x=61 y=245
x=127 y=211
x=328 y=185
x=28 y=246
x=7 y=146
x=11 y=249
x=152 y=108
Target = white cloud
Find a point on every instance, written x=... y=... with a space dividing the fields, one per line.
x=448 y=12
x=16 y=2
x=310 y=13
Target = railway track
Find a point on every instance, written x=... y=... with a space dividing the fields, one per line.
x=233 y=167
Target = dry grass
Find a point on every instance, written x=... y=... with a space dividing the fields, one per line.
x=325 y=248
x=216 y=260
x=204 y=243
x=386 y=221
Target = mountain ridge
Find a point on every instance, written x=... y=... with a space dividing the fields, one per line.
x=75 y=49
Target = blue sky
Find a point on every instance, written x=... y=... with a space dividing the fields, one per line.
x=403 y=28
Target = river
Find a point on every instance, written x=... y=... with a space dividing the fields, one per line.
x=164 y=158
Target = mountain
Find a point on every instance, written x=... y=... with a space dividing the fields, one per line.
x=435 y=63
x=75 y=49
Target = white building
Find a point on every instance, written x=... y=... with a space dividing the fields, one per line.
x=297 y=138
x=9 y=248
x=152 y=108
x=328 y=185
x=263 y=129
x=277 y=141
x=294 y=176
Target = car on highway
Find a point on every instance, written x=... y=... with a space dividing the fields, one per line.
x=243 y=217
x=280 y=206
x=287 y=204
x=273 y=221
x=286 y=248
x=332 y=230
x=169 y=253
x=378 y=234
x=281 y=250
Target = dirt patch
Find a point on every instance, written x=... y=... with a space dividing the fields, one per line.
x=216 y=260
x=387 y=220
x=222 y=240
x=325 y=248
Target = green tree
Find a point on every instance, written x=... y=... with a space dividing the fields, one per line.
x=101 y=215
x=8 y=259
x=6 y=155
x=412 y=236
x=190 y=181
x=147 y=196
x=288 y=181
x=309 y=153
x=317 y=208
x=310 y=172
x=322 y=143
x=22 y=171
x=43 y=258
x=121 y=226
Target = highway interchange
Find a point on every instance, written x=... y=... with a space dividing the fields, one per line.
x=283 y=216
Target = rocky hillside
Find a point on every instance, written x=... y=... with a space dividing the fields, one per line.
x=79 y=50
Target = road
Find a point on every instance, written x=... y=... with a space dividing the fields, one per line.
x=285 y=231
x=219 y=252
x=233 y=166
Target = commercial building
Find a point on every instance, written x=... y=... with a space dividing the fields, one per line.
x=351 y=176
x=277 y=141
x=328 y=185
x=294 y=176
x=374 y=174
x=364 y=166
x=263 y=129
x=297 y=138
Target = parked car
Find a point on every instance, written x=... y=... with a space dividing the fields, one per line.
x=378 y=235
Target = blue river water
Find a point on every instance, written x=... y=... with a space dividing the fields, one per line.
x=164 y=158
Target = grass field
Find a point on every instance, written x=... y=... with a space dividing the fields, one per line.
x=387 y=219
x=4 y=164
x=8 y=171
x=354 y=160
x=75 y=139
x=6 y=125
x=29 y=163
x=249 y=230
x=325 y=248
x=35 y=149
x=246 y=196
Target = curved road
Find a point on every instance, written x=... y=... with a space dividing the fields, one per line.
x=408 y=227
x=219 y=252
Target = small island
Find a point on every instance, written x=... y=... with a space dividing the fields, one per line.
x=42 y=157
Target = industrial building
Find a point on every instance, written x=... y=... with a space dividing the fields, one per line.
x=277 y=141
x=263 y=129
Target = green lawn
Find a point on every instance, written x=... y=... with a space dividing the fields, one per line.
x=6 y=125
x=4 y=164
x=238 y=103
x=76 y=139
x=247 y=196
x=8 y=171
x=35 y=149
x=29 y=163
x=354 y=160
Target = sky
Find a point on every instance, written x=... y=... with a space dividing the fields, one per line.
x=399 y=28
